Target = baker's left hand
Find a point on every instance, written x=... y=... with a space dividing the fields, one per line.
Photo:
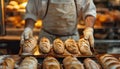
x=88 y=35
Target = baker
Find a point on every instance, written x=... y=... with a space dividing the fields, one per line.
x=60 y=19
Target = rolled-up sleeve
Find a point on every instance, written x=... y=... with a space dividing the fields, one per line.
x=31 y=10
x=88 y=8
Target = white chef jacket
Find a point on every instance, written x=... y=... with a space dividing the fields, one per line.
x=61 y=18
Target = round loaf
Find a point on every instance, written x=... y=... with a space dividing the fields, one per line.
x=9 y=63
x=71 y=46
x=108 y=58
x=91 y=64
x=44 y=45
x=28 y=63
x=50 y=63
x=115 y=65
x=84 y=47
x=108 y=62
x=58 y=46
x=72 y=63
x=29 y=45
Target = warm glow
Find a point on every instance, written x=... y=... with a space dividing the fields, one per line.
x=36 y=51
x=38 y=24
x=24 y=4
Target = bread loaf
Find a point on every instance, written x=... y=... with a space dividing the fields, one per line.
x=8 y=63
x=29 y=45
x=91 y=64
x=71 y=46
x=44 y=45
x=109 y=62
x=58 y=46
x=115 y=65
x=50 y=63
x=107 y=57
x=72 y=63
x=84 y=47
x=28 y=63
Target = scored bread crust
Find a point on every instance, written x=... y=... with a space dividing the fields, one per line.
x=91 y=64
x=28 y=63
x=29 y=45
x=50 y=63
x=44 y=45
x=72 y=63
x=71 y=46
x=58 y=46
x=84 y=47
x=9 y=63
x=109 y=61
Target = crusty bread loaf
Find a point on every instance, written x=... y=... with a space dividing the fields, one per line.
x=109 y=62
x=91 y=64
x=104 y=55
x=71 y=46
x=115 y=65
x=8 y=63
x=72 y=63
x=29 y=45
x=44 y=45
x=107 y=57
x=50 y=63
x=84 y=47
x=58 y=46
x=28 y=63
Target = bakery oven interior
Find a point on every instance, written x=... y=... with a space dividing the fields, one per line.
x=107 y=26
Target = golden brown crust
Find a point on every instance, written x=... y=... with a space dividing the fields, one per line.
x=91 y=64
x=29 y=63
x=72 y=63
x=84 y=47
x=71 y=46
x=50 y=63
x=106 y=59
x=29 y=45
x=58 y=46
x=9 y=63
x=44 y=45
x=114 y=65
x=109 y=61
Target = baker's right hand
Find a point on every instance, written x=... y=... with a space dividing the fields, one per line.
x=27 y=33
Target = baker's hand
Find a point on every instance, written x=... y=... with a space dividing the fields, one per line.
x=27 y=33
x=88 y=35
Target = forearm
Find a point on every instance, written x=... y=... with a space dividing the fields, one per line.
x=89 y=21
x=29 y=23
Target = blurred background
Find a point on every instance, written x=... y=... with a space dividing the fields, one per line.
x=106 y=29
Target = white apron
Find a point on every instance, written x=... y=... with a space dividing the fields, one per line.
x=60 y=21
